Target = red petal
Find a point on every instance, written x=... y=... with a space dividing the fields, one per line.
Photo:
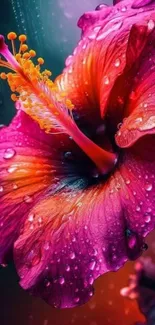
x=99 y=75
x=141 y=104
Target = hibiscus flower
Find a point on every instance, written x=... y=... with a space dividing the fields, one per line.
x=77 y=169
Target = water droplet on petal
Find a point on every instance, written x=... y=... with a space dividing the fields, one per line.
x=40 y=220
x=148 y=187
x=15 y=186
x=61 y=280
x=117 y=63
x=1 y=189
x=127 y=181
x=77 y=299
x=31 y=217
x=106 y=80
x=72 y=255
x=92 y=265
x=9 y=153
x=28 y=199
x=67 y=268
x=12 y=169
x=101 y=6
x=124 y=9
x=151 y=24
x=147 y=218
x=138 y=208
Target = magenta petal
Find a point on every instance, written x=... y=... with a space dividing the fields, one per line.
x=77 y=235
x=25 y=169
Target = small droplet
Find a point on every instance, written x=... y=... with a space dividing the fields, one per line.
x=1 y=189
x=151 y=24
x=124 y=9
x=28 y=199
x=101 y=7
x=148 y=187
x=9 y=153
x=147 y=218
x=106 y=80
x=92 y=265
x=67 y=268
x=40 y=220
x=15 y=186
x=12 y=169
x=137 y=208
x=72 y=255
x=61 y=280
x=31 y=217
x=117 y=63
x=77 y=299
x=127 y=182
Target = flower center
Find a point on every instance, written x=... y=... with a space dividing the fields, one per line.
x=40 y=98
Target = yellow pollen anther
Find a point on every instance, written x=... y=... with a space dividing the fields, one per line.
x=22 y=38
x=18 y=56
x=40 y=61
x=24 y=47
x=11 y=36
x=32 y=53
x=14 y=97
x=3 y=75
x=26 y=55
x=47 y=73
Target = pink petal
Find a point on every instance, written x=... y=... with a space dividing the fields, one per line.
x=79 y=234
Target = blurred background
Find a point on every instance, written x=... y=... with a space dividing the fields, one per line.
x=51 y=27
